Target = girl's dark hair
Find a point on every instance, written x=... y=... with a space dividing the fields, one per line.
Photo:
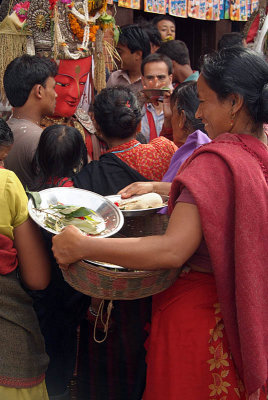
x=186 y=99
x=61 y=149
x=242 y=71
x=6 y=135
x=117 y=112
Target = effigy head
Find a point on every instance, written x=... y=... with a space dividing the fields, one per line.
x=63 y=30
x=70 y=84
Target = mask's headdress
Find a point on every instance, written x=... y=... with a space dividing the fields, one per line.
x=59 y=29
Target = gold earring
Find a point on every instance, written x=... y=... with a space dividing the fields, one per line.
x=232 y=119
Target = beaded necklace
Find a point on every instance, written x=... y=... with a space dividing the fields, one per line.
x=122 y=151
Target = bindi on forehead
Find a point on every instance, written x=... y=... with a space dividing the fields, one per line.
x=77 y=71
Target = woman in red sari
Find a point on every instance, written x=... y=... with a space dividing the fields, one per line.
x=209 y=331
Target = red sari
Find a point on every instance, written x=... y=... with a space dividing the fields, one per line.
x=188 y=354
x=190 y=341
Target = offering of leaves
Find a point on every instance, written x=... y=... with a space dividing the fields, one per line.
x=58 y=216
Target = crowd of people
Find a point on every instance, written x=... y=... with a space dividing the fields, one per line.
x=203 y=142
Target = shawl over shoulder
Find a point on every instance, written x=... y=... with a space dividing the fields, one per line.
x=107 y=176
x=229 y=181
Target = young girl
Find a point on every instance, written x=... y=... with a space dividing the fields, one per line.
x=22 y=255
x=61 y=151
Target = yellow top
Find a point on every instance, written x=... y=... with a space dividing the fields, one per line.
x=13 y=203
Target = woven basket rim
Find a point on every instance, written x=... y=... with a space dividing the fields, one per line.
x=118 y=294
x=113 y=274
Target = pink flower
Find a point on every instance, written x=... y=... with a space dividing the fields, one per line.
x=21 y=10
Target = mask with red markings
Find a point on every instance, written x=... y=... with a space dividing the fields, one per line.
x=70 y=84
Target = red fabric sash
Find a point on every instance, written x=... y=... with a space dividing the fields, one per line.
x=228 y=179
x=153 y=131
x=8 y=255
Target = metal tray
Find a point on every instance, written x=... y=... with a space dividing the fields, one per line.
x=155 y=94
x=139 y=212
x=105 y=265
x=112 y=217
x=155 y=91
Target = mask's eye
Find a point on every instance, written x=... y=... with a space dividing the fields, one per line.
x=62 y=84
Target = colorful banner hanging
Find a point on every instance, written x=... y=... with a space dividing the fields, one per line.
x=212 y=10
x=204 y=9
x=178 y=8
x=134 y=4
x=254 y=5
x=155 y=6
x=197 y=9
x=110 y=2
x=209 y=10
x=238 y=10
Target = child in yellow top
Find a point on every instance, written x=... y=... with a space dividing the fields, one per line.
x=23 y=369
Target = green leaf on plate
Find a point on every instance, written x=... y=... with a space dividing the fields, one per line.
x=35 y=196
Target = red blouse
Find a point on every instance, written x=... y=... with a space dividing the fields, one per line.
x=150 y=160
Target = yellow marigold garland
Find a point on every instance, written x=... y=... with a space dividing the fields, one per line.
x=78 y=31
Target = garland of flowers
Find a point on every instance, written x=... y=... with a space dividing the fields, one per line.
x=92 y=17
x=78 y=31
x=77 y=19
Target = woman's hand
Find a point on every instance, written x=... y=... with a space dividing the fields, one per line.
x=167 y=109
x=162 y=188
x=68 y=246
x=136 y=188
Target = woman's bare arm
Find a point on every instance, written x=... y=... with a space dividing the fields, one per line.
x=33 y=258
x=145 y=187
x=171 y=250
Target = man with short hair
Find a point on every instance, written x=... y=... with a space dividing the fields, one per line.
x=133 y=46
x=30 y=88
x=156 y=72
x=178 y=52
x=232 y=39
x=153 y=35
x=166 y=26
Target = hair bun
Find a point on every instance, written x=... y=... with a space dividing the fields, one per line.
x=125 y=117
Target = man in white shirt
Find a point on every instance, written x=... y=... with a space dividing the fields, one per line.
x=156 y=72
